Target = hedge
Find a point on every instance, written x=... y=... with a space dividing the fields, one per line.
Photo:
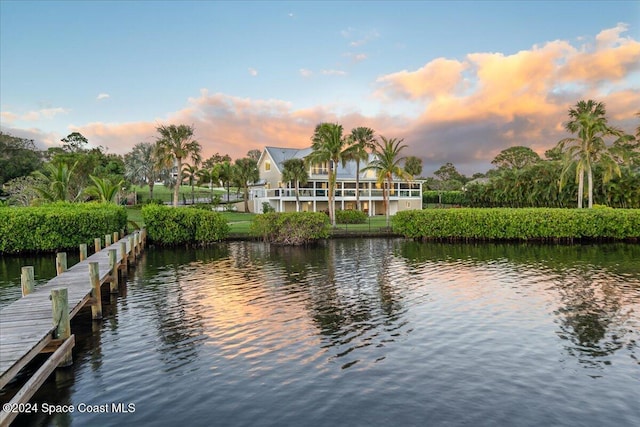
x=519 y=224
x=168 y=226
x=351 y=217
x=57 y=226
x=291 y=228
x=455 y=197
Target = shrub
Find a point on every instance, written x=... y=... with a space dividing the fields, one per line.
x=179 y=226
x=57 y=226
x=351 y=217
x=519 y=224
x=445 y=197
x=266 y=207
x=291 y=228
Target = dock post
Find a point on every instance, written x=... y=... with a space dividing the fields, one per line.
x=116 y=236
x=94 y=276
x=107 y=240
x=83 y=251
x=132 y=250
x=97 y=242
x=123 y=252
x=113 y=263
x=61 y=320
x=136 y=240
x=27 y=280
x=61 y=262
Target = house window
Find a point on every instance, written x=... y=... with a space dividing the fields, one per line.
x=267 y=165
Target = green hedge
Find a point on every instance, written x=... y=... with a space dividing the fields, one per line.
x=179 y=226
x=291 y=228
x=445 y=197
x=519 y=224
x=351 y=217
x=57 y=226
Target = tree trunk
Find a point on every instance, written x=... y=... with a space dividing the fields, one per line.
x=246 y=198
x=297 y=198
x=358 y=185
x=150 y=191
x=176 y=190
x=590 y=183
x=580 y=186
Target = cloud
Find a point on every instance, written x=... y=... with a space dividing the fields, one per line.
x=9 y=117
x=359 y=38
x=253 y=71
x=305 y=73
x=102 y=96
x=333 y=72
x=356 y=57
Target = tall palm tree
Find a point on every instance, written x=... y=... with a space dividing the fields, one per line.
x=294 y=170
x=225 y=172
x=327 y=145
x=246 y=174
x=361 y=141
x=587 y=120
x=142 y=167
x=174 y=145
x=387 y=164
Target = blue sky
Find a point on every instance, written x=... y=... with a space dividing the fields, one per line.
x=458 y=80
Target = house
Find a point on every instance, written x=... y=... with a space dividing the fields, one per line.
x=314 y=194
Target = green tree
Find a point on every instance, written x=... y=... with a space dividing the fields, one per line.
x=190 y=174
x=413 y=165
x=142 y=166
x=254 y=154
x=515 y=157
x=361 y=142
x=103 y=189
x=246 y=174
x=226 y=172
x=387 y=165
x=588 y=120
x=18 y=157
x=56 y=182
x=175 y=144
x=294 y=170
x=327 y=147
x=75 y=142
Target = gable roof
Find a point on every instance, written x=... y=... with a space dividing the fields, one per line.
x=279 y=155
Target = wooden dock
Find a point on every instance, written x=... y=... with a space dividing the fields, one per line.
x=39 y=321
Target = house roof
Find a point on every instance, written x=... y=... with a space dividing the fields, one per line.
x=279 y=155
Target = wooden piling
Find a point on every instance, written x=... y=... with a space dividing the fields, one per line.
x=96 y=294
x=132 y=251
x=116 y=236
x=83 y=251
x=61 y=262
x=27 y=281
x=113 y=263
x=97 y=243
x=123 y=252
x=107 y=240
x=61 y=320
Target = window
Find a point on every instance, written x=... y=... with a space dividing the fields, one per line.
x=267 y=165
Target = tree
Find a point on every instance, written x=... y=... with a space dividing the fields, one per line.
x=174 y=145
x=387 y=164
x=588 y=120
x=56 y=182
x=246 y=173
x=18 y=157
x=75 y=142
x=449 y=178
x=295 y=171
x=190 y=173
x=142 y=166
x=103 y=189
x=516 y=157
x=327 y=145
x=225 y=172
x=361 y=141
x=254 y=154
x=413 y=166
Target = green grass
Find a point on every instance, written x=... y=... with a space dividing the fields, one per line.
x=165 y=194
x=239 y=222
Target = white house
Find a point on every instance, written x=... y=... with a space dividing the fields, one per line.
x=313 y=195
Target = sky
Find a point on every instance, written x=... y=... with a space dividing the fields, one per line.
x=458 y=81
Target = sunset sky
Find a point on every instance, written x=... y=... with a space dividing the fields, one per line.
x=459 y=81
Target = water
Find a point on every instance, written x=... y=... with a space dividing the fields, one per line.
x=364 y=332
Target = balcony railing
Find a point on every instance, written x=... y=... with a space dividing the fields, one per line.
x=309 y=193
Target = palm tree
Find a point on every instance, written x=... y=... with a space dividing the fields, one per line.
x=246 y=174
x=588 y=121
x=56 y=182
x=387 y=164
x=327 y=146
x=190 y=175
x=295 y=170
x=225 y=172
x=103 y=188
x=175 y=144
x=362 y=140
x=142 y=167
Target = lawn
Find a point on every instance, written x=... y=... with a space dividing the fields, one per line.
x=160 y=192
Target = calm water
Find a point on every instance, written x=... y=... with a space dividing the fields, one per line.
x=368 y=332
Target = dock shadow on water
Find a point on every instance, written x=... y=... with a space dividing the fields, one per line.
x=358 y=332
